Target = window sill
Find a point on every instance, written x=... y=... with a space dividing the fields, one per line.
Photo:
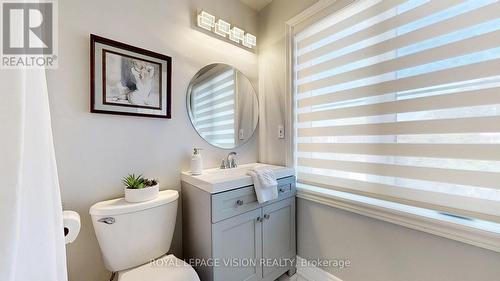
x=474 y=232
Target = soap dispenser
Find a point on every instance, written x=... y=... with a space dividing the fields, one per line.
x=196 y=162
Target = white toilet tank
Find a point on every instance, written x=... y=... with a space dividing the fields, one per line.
x=131 y=234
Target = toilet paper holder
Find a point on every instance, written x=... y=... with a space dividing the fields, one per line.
x=71 y=226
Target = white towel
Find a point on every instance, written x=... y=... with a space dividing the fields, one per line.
x=266 y=185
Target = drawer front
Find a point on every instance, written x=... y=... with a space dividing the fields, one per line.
x=286 y=188
x=234 y=202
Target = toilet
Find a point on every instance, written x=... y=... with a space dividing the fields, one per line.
x=135 y=237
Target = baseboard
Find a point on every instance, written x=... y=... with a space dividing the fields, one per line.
x=312 y=273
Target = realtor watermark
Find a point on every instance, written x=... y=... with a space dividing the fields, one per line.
x=245 y=262
x=29 y=34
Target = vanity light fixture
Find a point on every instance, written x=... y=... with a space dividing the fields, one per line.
x=237 y=35
x=222 y=28
x=206 y=20
x=250 y=40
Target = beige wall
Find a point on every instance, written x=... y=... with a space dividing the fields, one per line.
x=272 y=70
x=379 y=251
x=94 y=151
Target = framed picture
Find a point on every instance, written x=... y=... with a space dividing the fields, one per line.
x=127 y=80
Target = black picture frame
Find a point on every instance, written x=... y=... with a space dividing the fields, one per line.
x=157 y=62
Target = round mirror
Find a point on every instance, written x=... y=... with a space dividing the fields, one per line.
x=222 y=105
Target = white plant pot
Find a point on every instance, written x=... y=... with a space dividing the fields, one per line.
x=143 y=194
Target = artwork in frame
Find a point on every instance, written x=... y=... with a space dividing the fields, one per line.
x=128 y=80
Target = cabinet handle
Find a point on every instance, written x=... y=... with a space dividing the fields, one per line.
x=282 y=189
x=259 y=219
x=239 y=202
x=267 y=216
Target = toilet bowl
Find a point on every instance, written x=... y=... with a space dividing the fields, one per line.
x=134 y=238
x=167 y=268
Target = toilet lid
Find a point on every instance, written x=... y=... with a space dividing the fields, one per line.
x=167 y=268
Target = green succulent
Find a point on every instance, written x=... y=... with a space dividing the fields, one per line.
x=150 y=182
x=134 y=182
x=137 y=182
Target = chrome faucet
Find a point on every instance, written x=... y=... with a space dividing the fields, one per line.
x=230 y=161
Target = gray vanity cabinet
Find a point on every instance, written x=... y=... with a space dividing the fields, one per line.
x=278 y=236
x=238 y=238
x=247 y=241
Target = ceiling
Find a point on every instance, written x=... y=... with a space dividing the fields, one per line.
x=256 y=4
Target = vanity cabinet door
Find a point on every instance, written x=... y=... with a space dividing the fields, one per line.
x=237 y=247
x=278 y=232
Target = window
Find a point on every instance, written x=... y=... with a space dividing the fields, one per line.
x=400 y=101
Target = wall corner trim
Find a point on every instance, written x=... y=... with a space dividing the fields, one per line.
x=312 y=273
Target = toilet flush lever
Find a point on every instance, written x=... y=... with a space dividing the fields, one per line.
x=108 y=220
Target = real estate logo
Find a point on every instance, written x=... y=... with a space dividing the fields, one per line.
x=29 y=34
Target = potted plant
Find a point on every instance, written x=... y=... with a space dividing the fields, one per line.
x=140 y=189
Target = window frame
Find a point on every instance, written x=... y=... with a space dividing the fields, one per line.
x=437 y=224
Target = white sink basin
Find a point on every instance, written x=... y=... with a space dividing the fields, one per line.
x=219 y=180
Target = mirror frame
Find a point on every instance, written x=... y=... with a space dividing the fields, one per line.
x=190 y=115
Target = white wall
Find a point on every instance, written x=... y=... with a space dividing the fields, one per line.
x=379 y=251
x=94 y=151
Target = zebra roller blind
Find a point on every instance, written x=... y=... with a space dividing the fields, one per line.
x=400 y=100
x=214 y=108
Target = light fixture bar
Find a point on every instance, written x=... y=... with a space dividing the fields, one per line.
x=250 y=40
x=237 y=35
x=224 y=29
x=206 y=20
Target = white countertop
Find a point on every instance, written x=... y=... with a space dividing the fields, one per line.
x=219 y=180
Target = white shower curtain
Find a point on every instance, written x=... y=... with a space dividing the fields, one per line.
x=31 y=230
